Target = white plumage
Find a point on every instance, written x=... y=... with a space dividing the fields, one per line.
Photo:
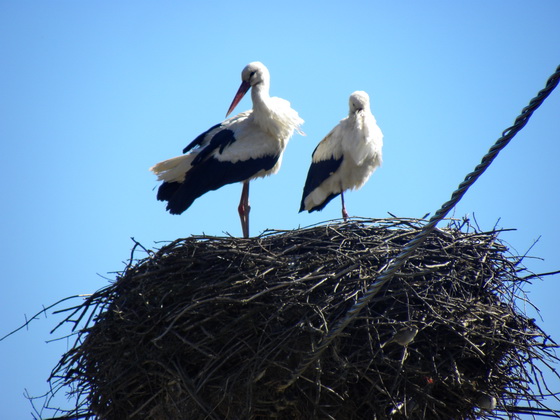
x=345 y=158
x=241 y=148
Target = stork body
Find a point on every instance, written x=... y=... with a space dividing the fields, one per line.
x=345 y=158
x=244 y=147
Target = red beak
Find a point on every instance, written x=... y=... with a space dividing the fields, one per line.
x=238 y=96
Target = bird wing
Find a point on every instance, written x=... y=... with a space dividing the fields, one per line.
x=326 y=159
x=203 y=138
x=200 y=138
x=219 y=141
x=238 y=140
x=211 y=174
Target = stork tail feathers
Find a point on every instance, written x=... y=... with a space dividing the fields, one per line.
x=174 y=169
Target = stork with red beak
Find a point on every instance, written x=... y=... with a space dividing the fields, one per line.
x=241 y=148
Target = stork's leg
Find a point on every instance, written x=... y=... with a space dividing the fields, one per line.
x=244 y=209
x=344 y=212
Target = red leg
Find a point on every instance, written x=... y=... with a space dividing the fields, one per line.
x=244 y=209
x=344 y=212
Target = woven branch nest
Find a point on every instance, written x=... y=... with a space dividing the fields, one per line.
x=213 y=327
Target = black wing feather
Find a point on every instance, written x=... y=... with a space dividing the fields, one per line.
x=221 y=140
x=209 y=175
x=324 y=203
x=318 y=173
x=199 y=139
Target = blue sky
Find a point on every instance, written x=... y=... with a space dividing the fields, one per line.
x=94 y=93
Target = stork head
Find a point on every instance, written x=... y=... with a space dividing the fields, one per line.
x=253 y=74
x=359 y=101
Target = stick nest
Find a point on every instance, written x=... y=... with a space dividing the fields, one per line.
x=213 y=327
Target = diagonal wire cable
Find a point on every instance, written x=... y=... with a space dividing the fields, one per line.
x=415 y=242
